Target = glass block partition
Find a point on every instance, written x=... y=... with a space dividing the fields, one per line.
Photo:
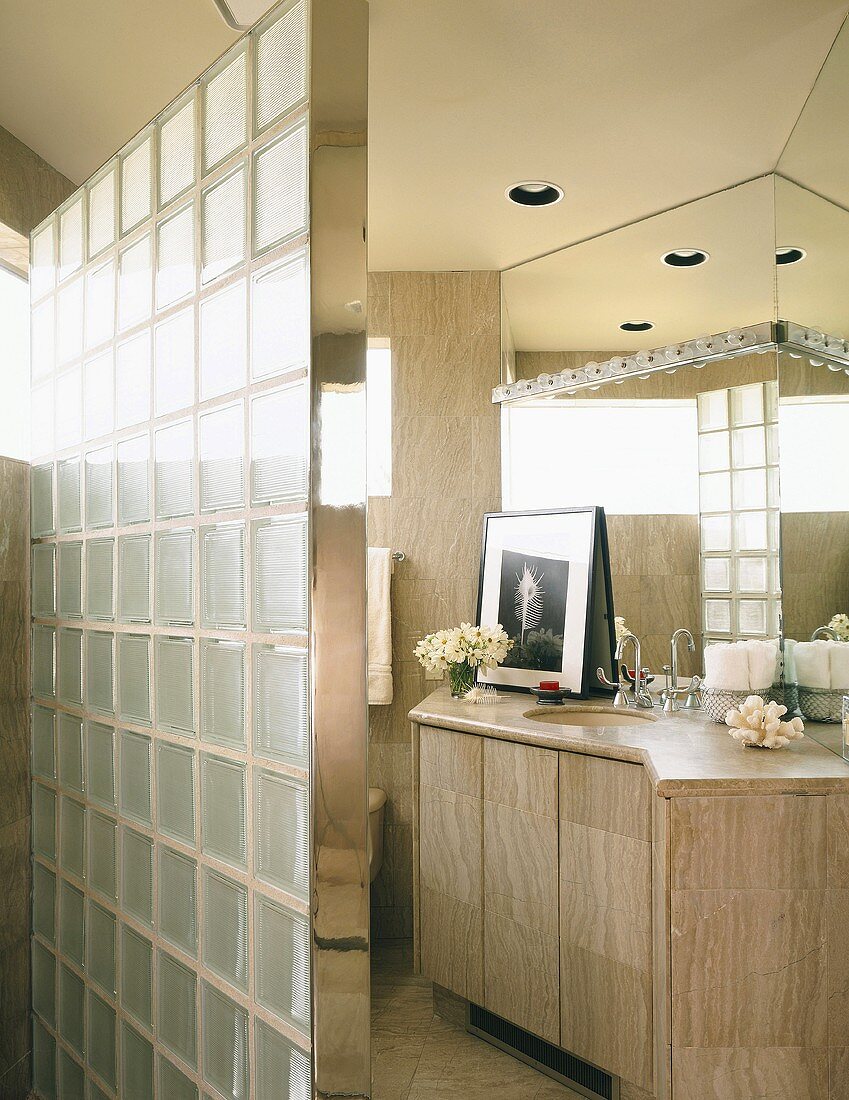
x=170 y=581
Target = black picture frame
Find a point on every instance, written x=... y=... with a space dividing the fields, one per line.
x=595 y=611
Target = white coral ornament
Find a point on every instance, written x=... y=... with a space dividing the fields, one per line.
x=759 y=725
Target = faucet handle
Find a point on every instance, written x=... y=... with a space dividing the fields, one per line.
x=620 y=699
x=602 y=676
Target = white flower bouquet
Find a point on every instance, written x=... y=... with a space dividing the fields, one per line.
x=461 y=650
x=759 y=725
x=840 y=625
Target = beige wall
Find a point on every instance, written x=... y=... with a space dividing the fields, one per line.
x=444 y=333
x=29 y=188
x=814 y=570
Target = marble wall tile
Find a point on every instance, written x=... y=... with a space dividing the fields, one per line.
x=740 y=1074
x=14 y=764
x=431 y=303
x=30 y=188
x=670 y=602
x=837 y=817
x=15 y=877
x=390 y=768
x=379 y=519
x=838 y=1072
x=14 y=1004
x=837 y=903
x=521 y=975
x=394 y=882
x=485 y=303
x=605 y=794
x=426 y=452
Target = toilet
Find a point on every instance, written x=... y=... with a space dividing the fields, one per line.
x=376 y=804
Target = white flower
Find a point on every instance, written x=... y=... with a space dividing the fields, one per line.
x=840 y=625
x=476 y=645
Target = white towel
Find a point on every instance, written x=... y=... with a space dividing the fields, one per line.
x=812 y=664
x=763 y=659
x=727 y=666
x=838 y=659
x=379 y=626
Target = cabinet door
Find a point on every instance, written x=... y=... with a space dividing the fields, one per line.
x=605 y=915
x=521 y=964
x=450 y=860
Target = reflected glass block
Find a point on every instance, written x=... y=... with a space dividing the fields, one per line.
x=223 y=809
x=175 y=577
x=751 y=531
x=752 y=617
x=135 y=289
x=43 y=742
x=177 y=900
x=100 y=746
x=44 y=983
x=70 y=580
x=99 y=504
x=69 y=322
x=174 y=1085
x=223 y=341
x=72 y=923
x=175 y=710
x=100 y=305
x=750 y=489
x=132 y=381
x=771 y=401
x=177 y=1008
x=137 y=975
x=42 y=271
x=136 y=184
x=134 y=578
x=101 y=210
x=70 y=738
x=102 y=861
x=69 y=493
x=43 y=340
x=748 y=447
x=772 y=444
x=281 y=704
x=133 y=481
x=41 y=419
x=281 y=66
x=175 y=792
x=137 y=875
x=177 y=151
x=174 y=343
x=753 y=575
x=43 y=822
x=280 y=575
x=225 y=938
x=43 y=581
x=134 y=678
x=747 y=405
x=716 y=574
x=70 y=665
x=136 y=1065
x=44 y=661
x=69 y=409
x=282 y=962
x=71 y=238
x=100 y=584
x=225 y=1043
x=72 y=1009
x=223 y=217
x=225 y=112
x=223 y=576
x=43 y=1062
x=716 y=533
x=99 y=396
x=280 y=446
x=175 y=257
x=135 y=776
x=713 y=410
x=282 y=1070
x=174 y=470
x=71 y=1077
x=717 y=616
x=280 y=189
x=101 y=1038
x=773 y=495
x=41 y=500
x=222 y=458
x=774 y=531
x=44 y=902
x=281 y=832
x=222 y=692
x=72 y=837
x=713 y=452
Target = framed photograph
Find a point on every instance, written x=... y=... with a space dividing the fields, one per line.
x=545 y=577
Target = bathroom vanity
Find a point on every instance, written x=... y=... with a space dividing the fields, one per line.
x=651 y=897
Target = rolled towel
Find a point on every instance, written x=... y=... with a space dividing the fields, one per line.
x=763 y=661
x=838 y=657
x=790 y=661
x=812 y=664
x=727 y=666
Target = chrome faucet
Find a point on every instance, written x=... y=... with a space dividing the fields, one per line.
x=672 y=691
x=825 y=632
x=641 y=695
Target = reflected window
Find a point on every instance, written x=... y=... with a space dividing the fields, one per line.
x=812 y=449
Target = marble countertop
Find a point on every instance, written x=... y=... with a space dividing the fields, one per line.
x=685 y=753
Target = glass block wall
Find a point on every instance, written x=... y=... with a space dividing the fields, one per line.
x=170 y=736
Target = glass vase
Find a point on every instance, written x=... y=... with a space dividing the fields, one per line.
x=462 y=678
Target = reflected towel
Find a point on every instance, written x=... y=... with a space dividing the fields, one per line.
x=727 y=666
x=838 y=656
x=812 y=664
x=379 y=626
x=763 y=662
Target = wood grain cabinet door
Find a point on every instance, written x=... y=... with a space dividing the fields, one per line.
x=521 y=964
x=605 y=915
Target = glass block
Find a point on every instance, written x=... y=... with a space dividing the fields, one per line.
x=223 y=809
x=72 y=923
x=100 y=305
x=713 y=452
x=225 y=111
x=175 y=792
x=43 y=822
x=100 y=586
x=177 y=1008
x=177 y=900
x=752 y=617
x=69 y=322
x=716 y=574
x=772 y=444
x=70 y=666
x=174 y=470
x=69 y=409
x=135 y=184
x=95 y=1092
x=44 y=902
x=71 y=772
x=132 y=381
x=72 y=837
x=281 y=66
x=71 y=238
x=225 y=1043
x=282 y=962
x=71 y=1077
x=747 y=404
x=100 y=755
x=101 y=210
x=748 y=447
x=175 y=577
x=175 y=709
x=175 y=257
x=99 y=505
x=41 y=489
x=280 y=189
x=70 y=580
x=44 y=983
x=222 y=692
x=174 y=346
x=41 y=419
x=223 y=217
x=137 y=875
x=771 y=401
x=43 y=340
x=43 y=581
x=101 y=1038
x=135 y=290
x=281 y=704
x=43 y=261
x=100 y=943
x=717 y=616
x=713 y=410
x=223 y=576
x=282 y=1070
x=44 y=661
x=43 y=749
x=751 y=531
x=43 y=1062
x=753 y=575
x=102 y=836
x=177 y=151
x=99 y=396
x=716 y=533
x=133 y=481
x=280 y=575
x=750 y=489
x=174 y=1085
x=280 y=445
x=222 y=458
x=69 y=492
x=281 y=832
x=136 y=1065
x=72 y=1009
x=135 y=776
x=134 y=578
x=223 y=341
x=99 y=678
x=773 y=493
x=774 y=531
x=225 y=922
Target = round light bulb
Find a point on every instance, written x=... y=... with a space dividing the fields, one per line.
x=617 y=365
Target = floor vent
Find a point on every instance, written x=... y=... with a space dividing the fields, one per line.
x=582 y=1076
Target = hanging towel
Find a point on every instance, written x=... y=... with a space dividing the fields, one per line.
x=727 y=666
x=379 y=626
x=763 y=661
x=812 y=666
x=838 y=655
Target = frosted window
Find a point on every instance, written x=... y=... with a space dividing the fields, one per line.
x=175 y=262
x=225 y=939
x=753 y=575
x=750 y=489
x=223 y=335
x=41 y=425
x=71 y=238
x=135 y=185
x=69 y=493
x=223 y=692
x=100 y=586
x=281 y=66
x=713 y=410
x=716 y=533
x=282 y=1069
x=44 y=902
x=225 y=112
x=280 y=190
x=134 y=284
x=279 y=445
x=717 y=616
x=175 y=363
x=69 y=322
x=99 y=396
x=752 y=618
x=134 y=578
x=136 y=975
x=174 y=470
x=71 y=769
x=280 y=575
x=43 y=261
x=99 y=509
x=716 y=574
x=136 y=1065
x=43 y=581
x=100 y=947
x=102 y=836
x=99 y=672
x=175 y=792
x=137 y=875
x=747 y=405
x=281 y=704
x=69 y=408
x=175 y=684
x=135 y=777
x=225 y=1043
x=100 y=754
x=43 y=1061
x=134 y=677
x=748 y=446
x=223 y=809
x=72 y=923
x=282 y=962
x=101 y=1038
x=713 y=452
x=222 y=448
x=175 y=578
x=751 y=531
x=43 y=749
x=132 y=381
x=41 y=502
x=174 y=1085
x=223 y=576
x=281 y=832
x=177 y=1011
x=133 y=487
x=70 y=665
x=43 y=661
x=70 y=580
x=223 y=225
x=43 y=822
x=72 y=837
x=42 y=340
x=71 y=1012
x=44 y=983
x=177 y=152
x=100 y=305
x=101 y=211
x=177 y=900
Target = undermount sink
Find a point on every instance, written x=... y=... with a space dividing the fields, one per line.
x=588 y=716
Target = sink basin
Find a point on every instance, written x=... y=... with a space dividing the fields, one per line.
x=589 y=716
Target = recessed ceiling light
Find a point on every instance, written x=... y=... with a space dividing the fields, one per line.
x=685 y=257
x=636 y=326
x=534 y=193
x=789 y=254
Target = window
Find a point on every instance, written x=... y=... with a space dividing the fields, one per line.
x=812 y=446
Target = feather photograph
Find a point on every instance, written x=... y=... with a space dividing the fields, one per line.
x=532 y=608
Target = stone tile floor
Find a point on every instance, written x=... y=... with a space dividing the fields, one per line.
x=419 y=1056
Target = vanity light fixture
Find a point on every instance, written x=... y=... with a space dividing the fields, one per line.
x=636 y=326
x=685 y=257
x=789 y=254
x=534 y=193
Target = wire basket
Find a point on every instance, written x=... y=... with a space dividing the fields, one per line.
x=716 y=702
x=791 y=698
x=822 y=704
